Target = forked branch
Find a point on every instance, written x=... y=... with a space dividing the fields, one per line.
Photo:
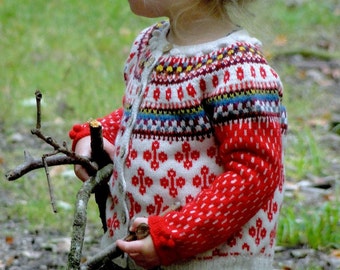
x=99 y=167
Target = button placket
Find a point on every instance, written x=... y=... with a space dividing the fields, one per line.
x=126 y=136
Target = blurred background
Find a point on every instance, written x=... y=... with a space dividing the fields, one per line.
x=74 y=53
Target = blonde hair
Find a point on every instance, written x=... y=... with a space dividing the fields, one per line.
x=224 y=9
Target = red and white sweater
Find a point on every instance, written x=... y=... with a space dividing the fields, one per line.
x=200 y=125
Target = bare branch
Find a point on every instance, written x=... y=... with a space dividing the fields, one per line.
x=100 y=170
x=50 y=188
x=31 y=164
x=38 y=97
x=80 y=215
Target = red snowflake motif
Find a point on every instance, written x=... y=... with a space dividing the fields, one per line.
x=187 y=156
x=172 y=183
x=168 y=94
x=191 y=90
x=226 y=76
x=263 y=72
x=205 y=179
x=141 y=181
x=215 y=80
x=271 y=208
x=155 y=156
x=203 y=85
x=240 y=73
x=259 y=232
x=180 y=93
x=113 y=224
x=135 y=207
x=156 y=94
x=157 y=207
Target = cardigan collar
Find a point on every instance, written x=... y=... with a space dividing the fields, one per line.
x=159 y=42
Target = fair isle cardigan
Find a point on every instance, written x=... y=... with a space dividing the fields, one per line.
x=202 y=126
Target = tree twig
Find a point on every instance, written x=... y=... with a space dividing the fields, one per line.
x=31 y=164
x=38 y=97
x=60 y=156
x=80 y=215
x=50 y=188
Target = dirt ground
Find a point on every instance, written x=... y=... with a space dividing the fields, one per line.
x=48 y=250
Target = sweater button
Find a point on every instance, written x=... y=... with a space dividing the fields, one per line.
x=129 y=122
x=167 y=48
x=150 y=61
x=139 y=91
x=123 y=218
x=120 y=188
x=122 y=151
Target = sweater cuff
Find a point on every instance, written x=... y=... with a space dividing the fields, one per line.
x=78 y=132
x=162 y=239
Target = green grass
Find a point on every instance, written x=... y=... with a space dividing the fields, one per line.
x=310 y=159
x=315 y=226
x=74 y=51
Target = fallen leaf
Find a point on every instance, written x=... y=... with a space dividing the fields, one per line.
x=9 y=240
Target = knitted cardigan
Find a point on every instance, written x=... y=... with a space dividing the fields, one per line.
x=201 y=126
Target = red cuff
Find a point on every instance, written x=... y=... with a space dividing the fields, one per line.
x=162 y=239
x=78 y=132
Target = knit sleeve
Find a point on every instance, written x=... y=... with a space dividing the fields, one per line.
x=247 y=127
x=110 y=125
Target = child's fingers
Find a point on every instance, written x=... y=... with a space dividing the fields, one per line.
x=133 y=247
x=81 y=173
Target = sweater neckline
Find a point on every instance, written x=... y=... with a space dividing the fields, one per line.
x=159 y=42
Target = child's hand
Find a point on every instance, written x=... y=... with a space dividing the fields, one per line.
x=83 y=148
x=141 y=251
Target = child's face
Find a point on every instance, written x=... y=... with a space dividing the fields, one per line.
x=152 y=8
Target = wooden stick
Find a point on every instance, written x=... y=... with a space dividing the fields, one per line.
x=80 y=215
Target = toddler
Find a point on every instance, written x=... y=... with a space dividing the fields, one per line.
x=201 y=126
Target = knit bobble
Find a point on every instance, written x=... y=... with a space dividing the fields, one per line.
x=75 y=130
x=166 y=242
